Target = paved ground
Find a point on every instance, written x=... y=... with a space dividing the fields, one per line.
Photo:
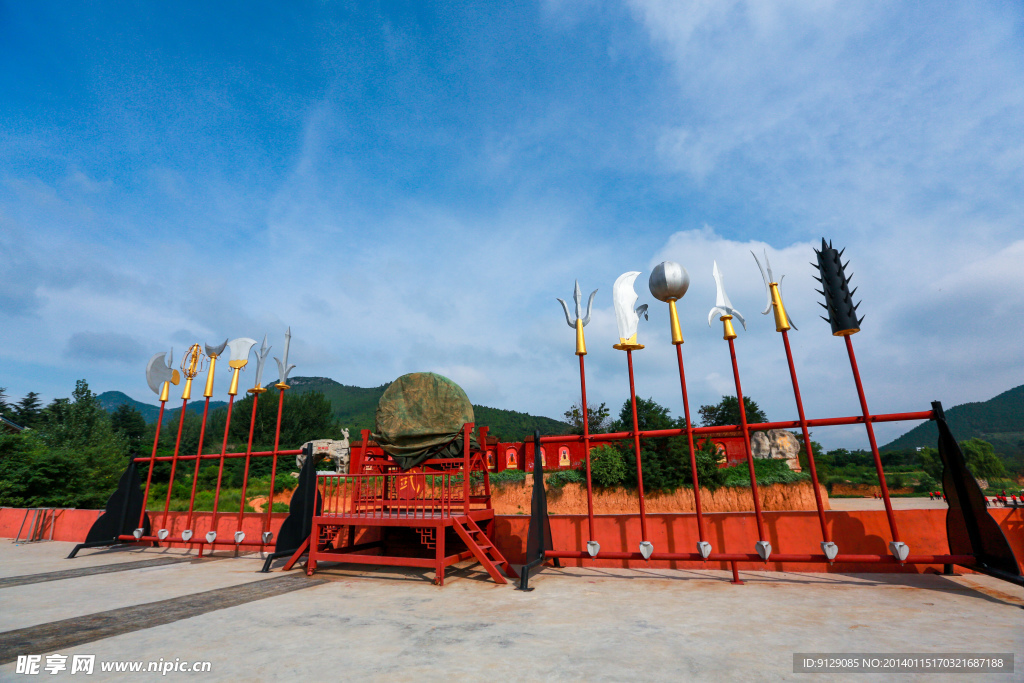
x=578 y=624
x=923 y=503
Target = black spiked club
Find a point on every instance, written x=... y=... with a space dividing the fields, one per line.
x=836 y=290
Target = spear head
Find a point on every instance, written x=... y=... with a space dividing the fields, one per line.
x=723 y=307
x=261 y=360
x=282 y=367
x=782 y=320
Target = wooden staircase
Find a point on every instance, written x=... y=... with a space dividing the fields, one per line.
x=482 y=548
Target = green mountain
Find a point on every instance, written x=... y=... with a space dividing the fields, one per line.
x=354 y=407
x=110 y=400
x=999 y=420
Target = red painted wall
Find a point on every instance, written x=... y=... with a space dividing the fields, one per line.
x=855 y=532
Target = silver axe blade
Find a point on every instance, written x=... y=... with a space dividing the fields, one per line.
x=215 y=351
x=722 y=304
x=159 y=370
x=240 y=349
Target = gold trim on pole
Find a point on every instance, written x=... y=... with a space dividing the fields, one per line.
x=677 y=332
x=730 y=331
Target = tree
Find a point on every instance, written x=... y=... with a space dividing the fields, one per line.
x=129 y=423
x=597 y=419
x=727 y=412
x=71 y=459
x=982 y=460
x=27 y=410
x=5 y=408
x=650 y=415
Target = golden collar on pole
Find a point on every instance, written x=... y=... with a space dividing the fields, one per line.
x=730 y=331
x=781 y=319
x=628 y=344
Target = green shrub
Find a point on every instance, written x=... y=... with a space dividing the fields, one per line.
x=607 y=466
x=768 y=471
x=506 y=477
x=925 y=483
x=562 y=477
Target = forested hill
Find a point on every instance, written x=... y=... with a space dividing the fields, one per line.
x=110 y=400
x=354 y=407
x=999 y=420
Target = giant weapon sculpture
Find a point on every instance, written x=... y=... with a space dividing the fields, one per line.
x=261 y=359
x=669 y=282
x=782 y=326
x=240 y=349
x=212 y=352
x=842 y=316
x=593 y=547
x=627 y=318
x=160 y=375
x=724 y=308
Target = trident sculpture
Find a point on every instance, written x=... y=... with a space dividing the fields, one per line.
x=669 y=282
x=842 y=316
x=160 y=375
x=627 y=318
x=724 y=308
x=580 y=321
x=593 y=547
x=782 y=325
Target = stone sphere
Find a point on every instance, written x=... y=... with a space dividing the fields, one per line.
x=669 y=281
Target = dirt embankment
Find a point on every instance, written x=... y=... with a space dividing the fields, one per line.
x=258 y=502
x=571 y=499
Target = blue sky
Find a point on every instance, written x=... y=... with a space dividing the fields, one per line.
x=410 y=185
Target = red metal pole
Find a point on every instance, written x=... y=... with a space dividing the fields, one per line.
x=248 y=455
x=273 y=467
x=807 y=438
x=199 y=459
x=586 y=448
x=220 y=470
x=746 y=442
x=636 y=448
x=871 y=440
x=174 y=463
x=152 y=460
x=693 y=453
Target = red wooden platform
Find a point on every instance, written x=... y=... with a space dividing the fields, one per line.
x=447 y=503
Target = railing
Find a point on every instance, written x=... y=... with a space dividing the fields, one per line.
x=392 y=495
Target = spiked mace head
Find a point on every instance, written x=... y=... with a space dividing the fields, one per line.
x=835 y=287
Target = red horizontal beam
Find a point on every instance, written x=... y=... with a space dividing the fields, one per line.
x=793 y=424
x=774 y=557
x=195 y=541
x=217 y=456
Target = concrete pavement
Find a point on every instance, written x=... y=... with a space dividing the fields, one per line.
x=578 y=624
